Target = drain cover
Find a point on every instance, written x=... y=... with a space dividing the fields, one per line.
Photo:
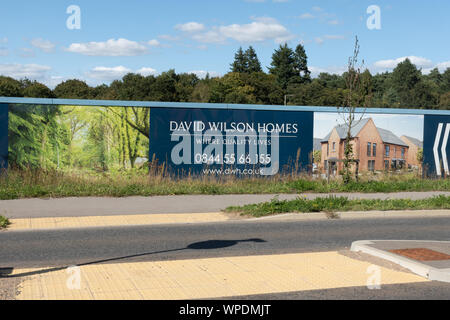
x=421 y=254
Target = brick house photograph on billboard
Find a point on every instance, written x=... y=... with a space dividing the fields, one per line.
x=380 y=142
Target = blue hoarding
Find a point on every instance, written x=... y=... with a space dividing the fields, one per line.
x=3 y=135
x=231 y=142
x=436 y=150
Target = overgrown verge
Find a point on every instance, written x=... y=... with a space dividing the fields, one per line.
x=43 y=184
x=339 y=204
x=4 y=222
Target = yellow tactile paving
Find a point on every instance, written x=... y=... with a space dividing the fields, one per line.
x=105 y=221
x=208 y=278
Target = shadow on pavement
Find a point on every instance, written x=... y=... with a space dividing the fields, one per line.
x=204 y=245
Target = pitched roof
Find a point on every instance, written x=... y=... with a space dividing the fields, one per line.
x=317 y=145
x=415 y=141
x=343 y=128
x=386 y=135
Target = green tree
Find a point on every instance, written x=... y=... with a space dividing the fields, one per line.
x=253 y=64
x=240 y=63
x=72 y=89
x=283 y=65
x=10 y=87
x=358 y=95
x=404 y=79
x=34 y=89
x=301 y=64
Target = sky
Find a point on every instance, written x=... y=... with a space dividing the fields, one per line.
x=115 y=37
x=400 y=125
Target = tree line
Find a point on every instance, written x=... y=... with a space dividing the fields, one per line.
x=288 y=76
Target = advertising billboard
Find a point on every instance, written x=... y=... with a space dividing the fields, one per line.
x=220 y=140
x=3 y=136
x=231 y=142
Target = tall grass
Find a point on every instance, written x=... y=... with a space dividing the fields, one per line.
x=16 y=184
x=339 y=204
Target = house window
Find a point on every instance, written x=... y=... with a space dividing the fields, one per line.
x=386 y=165
x=387 y=151
x=369 y=149
x=403 y=153
x=374 y=153
x=371 y=165
x=394 y=164
x=328 y=149
x=334 y=146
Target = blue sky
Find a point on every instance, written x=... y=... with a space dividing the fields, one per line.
x=202 y=36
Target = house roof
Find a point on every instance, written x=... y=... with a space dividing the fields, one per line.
x=317 y=144
x=343 y=128
x=386 y=135
x=415 y=141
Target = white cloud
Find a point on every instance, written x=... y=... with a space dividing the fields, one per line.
x=202 y=73
x=4 y=52
x=315 y=71
x=307 y=15
x=154 y=43
x=146 y=71
x=116 y=73
x=443 y=66
x=212 y=36
x=108 y=73
x=190 y=27
x=319 y=40
x=112 y=47
x=334 y=37
x=261 y=29
x=392 y=63
x=44 y=45
x=4 y=40
x=169 y=37
x=26 y=53
x=20 y=71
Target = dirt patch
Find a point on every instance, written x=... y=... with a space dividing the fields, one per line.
x=374 y=260
x=9 y=288
x=235 y=216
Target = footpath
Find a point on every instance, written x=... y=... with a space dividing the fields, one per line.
x=34 y=214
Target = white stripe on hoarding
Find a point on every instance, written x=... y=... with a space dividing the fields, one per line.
x=435 y=149
x=444 y=149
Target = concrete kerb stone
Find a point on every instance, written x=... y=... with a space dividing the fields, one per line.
x=421 y=269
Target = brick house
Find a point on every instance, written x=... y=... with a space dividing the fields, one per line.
x=376 y=149
x=414 y=146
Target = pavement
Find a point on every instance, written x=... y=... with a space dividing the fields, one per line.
x=95 y=206
x=428 y=259
x=203 y=278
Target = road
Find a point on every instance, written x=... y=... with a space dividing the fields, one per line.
x=171 y=242
x=62 y=248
